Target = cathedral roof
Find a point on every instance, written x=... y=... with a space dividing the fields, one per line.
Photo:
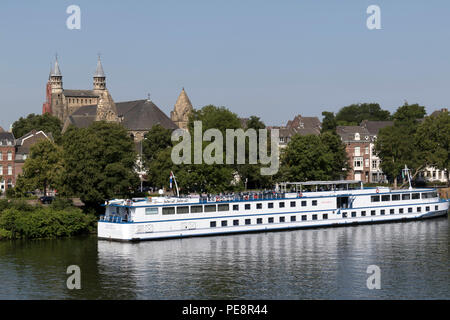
x=99 y=71
x=56 y=72
x=80 y=93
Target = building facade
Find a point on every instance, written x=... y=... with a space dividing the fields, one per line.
x=7 y=155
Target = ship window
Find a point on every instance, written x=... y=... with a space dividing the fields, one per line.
x=400 y=210
x=395 y=197
x=223 y=207
x=235 y=222
x=293 y=218
x=304 y=218
x=259 y=206
x=406 y=196
x=151 y=211
x=235 y=207
x=415 y=196
x=314 y=202
x=375 y=198
x=168 y=210
x=196 y=209
x=354 y=214
x=385 y=197
x=224 y=223
x=292 y=204
x=383 y=212
x=281 y=204
x=182 y=210
x=314 y=216
x=282 y=219
x=248 y=221
x=436 y=207
x=363 y=213
x=325 y=216
x=409 y=210
x=427 y=208
x=210 y=208
x=419 y=209
x=304 y=203
x=212 y=224
x=247 y=206
x=270 y=220
x=259 y=221
x=344 y=214
x=270 y=205
x=372 y=213
x=391 y=211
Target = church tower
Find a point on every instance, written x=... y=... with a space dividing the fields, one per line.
x=56 y=82
x=181 y=111
x=99 y=78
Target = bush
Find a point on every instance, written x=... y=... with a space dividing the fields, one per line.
x=61 y=203
x=44 y=222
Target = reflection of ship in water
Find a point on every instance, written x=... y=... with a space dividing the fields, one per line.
x=290 y=206
x=315 y=263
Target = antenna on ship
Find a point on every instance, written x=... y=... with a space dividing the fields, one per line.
x=407 y=172
x=176 y=185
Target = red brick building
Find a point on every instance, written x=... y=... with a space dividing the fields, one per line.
x=7 y=156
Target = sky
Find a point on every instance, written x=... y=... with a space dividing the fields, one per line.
x=272 y=59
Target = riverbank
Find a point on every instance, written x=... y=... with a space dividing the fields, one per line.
x=21 y=220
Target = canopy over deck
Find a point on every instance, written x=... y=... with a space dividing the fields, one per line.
x=298 y=185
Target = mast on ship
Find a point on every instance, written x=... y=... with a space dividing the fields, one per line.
x=407 y=172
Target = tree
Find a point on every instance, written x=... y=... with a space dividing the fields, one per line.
x=329 y=122
x=313 y=157
x=45 y=122
x=355 y=113
x=43 y=169
x=155 y=140
x=409 y=114
x=433 y=141
x=99 y=163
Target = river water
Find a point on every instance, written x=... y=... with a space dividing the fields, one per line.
x=329 y=263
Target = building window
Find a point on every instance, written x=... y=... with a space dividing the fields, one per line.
x=314 y=202
x=259 y=206
x=374 y=164
x=292 y=204
x=270 y=205
x=247 y=206
x=183 y=209
x=304 y=218
x=235 y=222
x=235 y=207
x=325 y=216
x=293 y=218
x=304 y=203
x=282 y=219
x=259 y=221
x=358 y=162
x=212 y=224
x=367 y=152
x=9 y=155
x=248 y=221
x=366 y=163
x=357 y=137
x=281 y=204
x=1 y=153
x=224 y=223
x=1 y=170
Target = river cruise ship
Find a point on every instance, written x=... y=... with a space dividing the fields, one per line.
x=289 y=206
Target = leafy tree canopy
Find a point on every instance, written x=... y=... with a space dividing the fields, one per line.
x=355 y=113
x=45 y=122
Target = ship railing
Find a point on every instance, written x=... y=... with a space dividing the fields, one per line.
x=114 y=219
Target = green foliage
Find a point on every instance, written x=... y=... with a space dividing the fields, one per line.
x=45 y=122
x=408 y=114
x=355 y=113
x=156 y=140
x=99 y=163
x=44 y=223
x=313 y=157
x=329 y=122
x=43 y=169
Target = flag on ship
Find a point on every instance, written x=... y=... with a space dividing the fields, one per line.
x=170 y=179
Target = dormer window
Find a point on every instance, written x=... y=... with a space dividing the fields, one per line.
x=357 y=137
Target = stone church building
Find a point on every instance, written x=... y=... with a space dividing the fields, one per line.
x=82 y=107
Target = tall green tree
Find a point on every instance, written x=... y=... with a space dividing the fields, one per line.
x=355 y=113
x=155 y=140
x=99 y=163
x=329 y=122
x=45 y=122
x=43 y=169
x=313 y=157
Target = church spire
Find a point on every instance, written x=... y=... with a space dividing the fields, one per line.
x=56 y=72
x=182 y=109
x=56 y=77
x=99 y=76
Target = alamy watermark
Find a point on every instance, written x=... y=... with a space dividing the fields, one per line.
x=74 y=20
x=74 y=280
x=213 y=153
x=374 y=20
x=374 y=280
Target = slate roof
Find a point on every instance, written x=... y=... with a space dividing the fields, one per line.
x=25 y=142
x=56 y=72
x=80 y=93
x=347 y=133
x=99 y=71
x=374 y=126
x=7 y=136
x=304 y=125
x=138 y=115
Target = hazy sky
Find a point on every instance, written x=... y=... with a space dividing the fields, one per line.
x=273 y=59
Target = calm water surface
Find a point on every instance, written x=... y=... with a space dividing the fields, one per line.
x=302 y=264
